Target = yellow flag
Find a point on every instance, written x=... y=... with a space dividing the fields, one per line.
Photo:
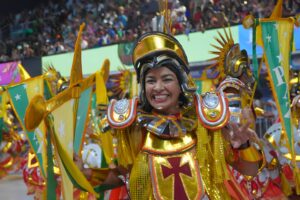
x=76 y=71
x=276 y=14
x=23 y=73
x=63 y=125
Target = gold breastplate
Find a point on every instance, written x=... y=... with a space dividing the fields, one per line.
x=174 y=171
x=156 y=145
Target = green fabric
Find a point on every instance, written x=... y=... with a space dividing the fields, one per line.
x=276 y=73
x=19 y=99
x=199 y=86
x=51 y=181
x=47 y=93
x=1 y=129
x=82 y=112
x=254 y=54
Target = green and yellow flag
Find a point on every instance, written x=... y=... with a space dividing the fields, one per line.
x=63 y=128
x=20 y=96
x=81 y=118
x=204 y=86
x=277 y=39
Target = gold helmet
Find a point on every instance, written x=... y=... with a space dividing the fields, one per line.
x=156 y=49
x=151 y=45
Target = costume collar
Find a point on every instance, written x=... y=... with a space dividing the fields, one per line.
x=166 y=126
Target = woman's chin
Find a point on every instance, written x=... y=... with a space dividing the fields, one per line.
x=166 y=110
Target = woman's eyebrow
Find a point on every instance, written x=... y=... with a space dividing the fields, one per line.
x=150 y=77
x=167 y=75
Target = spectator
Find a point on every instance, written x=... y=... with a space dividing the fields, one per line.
x=50 y=27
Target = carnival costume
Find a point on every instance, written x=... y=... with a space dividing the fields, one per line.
x=185 y=150
x=235 y=80
x=277 y=141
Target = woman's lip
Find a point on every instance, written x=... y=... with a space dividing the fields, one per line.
x=159 y=98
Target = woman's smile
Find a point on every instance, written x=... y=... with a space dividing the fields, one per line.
x=160 y=98
x=162 y=90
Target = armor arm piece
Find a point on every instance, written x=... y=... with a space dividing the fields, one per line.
x=122 y=113
x=212 y=110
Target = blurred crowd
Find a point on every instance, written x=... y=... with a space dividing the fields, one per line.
x=51 y=28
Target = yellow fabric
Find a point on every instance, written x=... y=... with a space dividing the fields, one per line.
x=106 y=144
x=285 y=33
x=276 y=14
x=211 y=158
x=207 y=85
x=250 y=154
x=64 y=130
x=140 y=182
x=4 y=101
x=297 y=179
x=76 y=71
x=129 y=141
x=23 y=73
x=101 y=92
x=285 y=185
x=105 y=69
x=72 y=168
x=259 y=111
x=277 y=11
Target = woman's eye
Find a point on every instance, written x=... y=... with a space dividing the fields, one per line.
x=168 y=80
x=150 y=81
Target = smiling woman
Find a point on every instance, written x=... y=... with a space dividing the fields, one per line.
x=172 y=136
x=162 y=90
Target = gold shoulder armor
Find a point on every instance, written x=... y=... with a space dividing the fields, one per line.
x=212 y=110
x=122 y=113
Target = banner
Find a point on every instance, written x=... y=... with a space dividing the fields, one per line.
x=20 y=96
x=277 y=39
x=81 y=118
x=63 y=124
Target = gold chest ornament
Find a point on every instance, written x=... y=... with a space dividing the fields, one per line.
x=174 y=171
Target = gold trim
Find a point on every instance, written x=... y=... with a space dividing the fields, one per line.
x=250 y=154
x=155 y=145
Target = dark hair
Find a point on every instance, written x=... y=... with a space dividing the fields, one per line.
x=145 y=105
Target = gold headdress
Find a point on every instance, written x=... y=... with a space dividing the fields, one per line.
x=160 y=48
x=157 y=43
x=55 y=79
x=230 y=60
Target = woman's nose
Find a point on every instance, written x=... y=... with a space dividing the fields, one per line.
x=158 y=86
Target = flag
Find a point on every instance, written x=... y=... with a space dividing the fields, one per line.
x=23 y=73
x=203 y=86
x=277 y=39
x=63 y=124
x=76 y=71
x=257 y=36
x=276 y=14
x=20 y=96
x=81 y=119
x=9 y=73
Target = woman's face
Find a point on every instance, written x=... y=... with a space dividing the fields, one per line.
x=162 y=90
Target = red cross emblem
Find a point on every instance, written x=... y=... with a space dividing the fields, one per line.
x=176 y=169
